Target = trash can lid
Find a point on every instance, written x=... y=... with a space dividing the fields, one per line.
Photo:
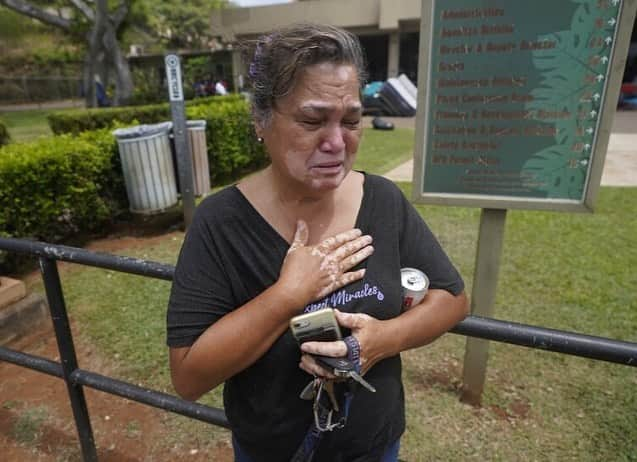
x=139 y=131
x=199 y=123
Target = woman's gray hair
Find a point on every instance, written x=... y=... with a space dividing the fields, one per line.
x=275 y=60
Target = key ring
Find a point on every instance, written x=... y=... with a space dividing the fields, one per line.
x=316 y=407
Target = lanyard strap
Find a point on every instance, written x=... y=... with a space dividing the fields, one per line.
x=323 y=414
x=322 y=423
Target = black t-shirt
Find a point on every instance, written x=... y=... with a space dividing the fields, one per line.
x=231 y=254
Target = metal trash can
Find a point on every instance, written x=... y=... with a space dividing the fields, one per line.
x=148 y=167
x=199 y=156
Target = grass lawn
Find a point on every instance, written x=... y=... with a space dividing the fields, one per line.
x=27 y=125
x=565 y=271
x=381 y=151
x=560 y=270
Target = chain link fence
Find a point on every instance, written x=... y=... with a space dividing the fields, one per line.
x=28 y=89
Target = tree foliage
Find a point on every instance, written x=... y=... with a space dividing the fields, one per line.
x=179 y=25
x=101 y=24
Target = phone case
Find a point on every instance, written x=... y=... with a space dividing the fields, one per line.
x=318 y=326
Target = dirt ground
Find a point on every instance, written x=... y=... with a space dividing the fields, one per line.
x=36 y=422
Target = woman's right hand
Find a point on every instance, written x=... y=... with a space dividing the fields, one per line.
x=312 y=272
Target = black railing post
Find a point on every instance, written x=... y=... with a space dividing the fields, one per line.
x=62 y=328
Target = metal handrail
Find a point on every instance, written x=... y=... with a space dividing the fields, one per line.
x=571 y=343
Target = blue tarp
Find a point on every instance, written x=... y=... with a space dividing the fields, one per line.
x=372 y=88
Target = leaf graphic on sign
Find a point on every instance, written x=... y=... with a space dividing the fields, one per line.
x=558 y=170
x=551 y=170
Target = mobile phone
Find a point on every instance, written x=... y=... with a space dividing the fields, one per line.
x=317 y=326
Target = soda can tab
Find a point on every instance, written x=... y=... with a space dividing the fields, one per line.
x=415 y=284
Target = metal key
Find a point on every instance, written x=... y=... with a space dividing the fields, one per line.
x=357 y=377
x=328 y=386
x=343 y=368
x=309 y=391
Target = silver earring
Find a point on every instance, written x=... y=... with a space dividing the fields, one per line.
x=260 y=139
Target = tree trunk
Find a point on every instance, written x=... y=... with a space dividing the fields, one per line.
x=115 y=57
x=90 y=61
x=102 y=45
x=107 y=59
x=90 y=97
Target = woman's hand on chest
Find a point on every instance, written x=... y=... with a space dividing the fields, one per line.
x=312 y=272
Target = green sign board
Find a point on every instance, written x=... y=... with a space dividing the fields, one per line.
x=518 y=101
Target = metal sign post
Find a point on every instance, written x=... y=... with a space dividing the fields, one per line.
x=485 y=282
x=184 y=160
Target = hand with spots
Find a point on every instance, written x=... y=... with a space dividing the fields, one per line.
x=312 y=272
x=367 y=331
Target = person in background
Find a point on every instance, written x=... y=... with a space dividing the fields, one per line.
x=220 y=88
x=100 y=93
x=306 y=232
x=199 y=88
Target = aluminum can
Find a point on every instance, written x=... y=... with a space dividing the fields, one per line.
x=415 y=284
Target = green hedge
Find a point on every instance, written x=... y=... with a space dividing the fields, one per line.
x=4 y=134
x=91 y=119
x=232 y=147
x=55 y=187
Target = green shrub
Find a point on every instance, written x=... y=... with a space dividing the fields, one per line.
x=82 y=120
x=55 y=187
x=91 y=119
x=148 y=88
x=232 y=147
x=4 y=134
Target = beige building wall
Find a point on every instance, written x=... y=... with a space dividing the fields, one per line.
x=363 y=17
x=373 y=15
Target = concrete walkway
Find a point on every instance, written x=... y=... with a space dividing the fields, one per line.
x=620 y=167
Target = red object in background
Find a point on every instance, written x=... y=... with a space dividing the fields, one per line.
x=629 y=88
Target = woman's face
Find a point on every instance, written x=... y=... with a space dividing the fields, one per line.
x=314 y=131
